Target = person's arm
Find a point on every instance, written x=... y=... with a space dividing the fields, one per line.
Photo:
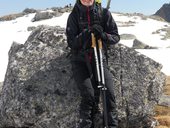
x=110 y=28
x=74 y=38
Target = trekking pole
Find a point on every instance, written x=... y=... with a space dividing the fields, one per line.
x=100 y=75
x=108 y=4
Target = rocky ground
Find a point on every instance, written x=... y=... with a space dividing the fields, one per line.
x=163 y=112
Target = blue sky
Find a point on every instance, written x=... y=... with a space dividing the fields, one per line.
x=146 y=7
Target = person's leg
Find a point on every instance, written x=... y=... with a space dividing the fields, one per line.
x=81 y=76
x=96 y=113
x=110 y=98
x=96 y=108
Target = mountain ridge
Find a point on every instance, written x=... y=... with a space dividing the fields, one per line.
x=164 y=12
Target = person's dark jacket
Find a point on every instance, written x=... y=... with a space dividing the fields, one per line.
x=79 y=24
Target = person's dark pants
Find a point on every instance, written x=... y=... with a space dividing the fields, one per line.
x=90 y=95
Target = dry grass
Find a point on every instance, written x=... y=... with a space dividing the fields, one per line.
x=164 y=120
x=167 y=87
x=162 y=112
x=162 y=126
x=167 y=90
x=168 y=80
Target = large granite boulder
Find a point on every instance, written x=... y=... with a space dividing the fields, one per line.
x=138 y=85
x=29 y=10
x=137 y=44
x=42 y=15
x=39 y=90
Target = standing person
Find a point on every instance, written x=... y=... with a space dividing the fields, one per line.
x=86 y=18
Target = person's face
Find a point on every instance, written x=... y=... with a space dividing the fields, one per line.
x=87 y=2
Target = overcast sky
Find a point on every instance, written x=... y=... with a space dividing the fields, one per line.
x=146 y=7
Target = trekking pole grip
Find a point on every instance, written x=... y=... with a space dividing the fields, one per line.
x=100 y=44
x=93 y=40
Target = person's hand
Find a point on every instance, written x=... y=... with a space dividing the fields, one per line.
x=98 y=32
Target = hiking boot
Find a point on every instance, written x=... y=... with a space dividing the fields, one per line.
x=112 y=119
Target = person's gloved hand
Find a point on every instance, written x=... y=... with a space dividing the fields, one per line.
x=98 y=32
